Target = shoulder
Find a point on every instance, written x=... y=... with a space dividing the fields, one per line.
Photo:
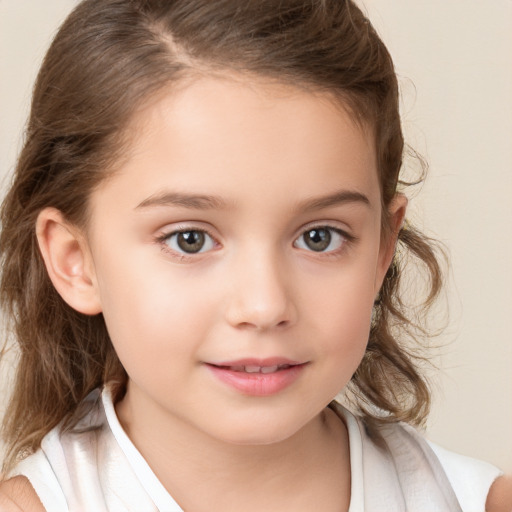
x=417 y=461
x=18 y=495
x=500 y=495
x=45 y=474
x=470 y=478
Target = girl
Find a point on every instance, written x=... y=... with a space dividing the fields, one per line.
x=198 y=255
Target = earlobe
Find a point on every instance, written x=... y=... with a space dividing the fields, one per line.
x=68 y=262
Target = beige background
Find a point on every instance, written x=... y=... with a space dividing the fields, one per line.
x=454 y=58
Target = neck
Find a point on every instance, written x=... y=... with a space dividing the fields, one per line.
x=296 y=473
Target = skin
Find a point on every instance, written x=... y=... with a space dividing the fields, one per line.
x=17 y=495
x=278 y=162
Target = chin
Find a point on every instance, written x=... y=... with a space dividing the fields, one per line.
x=259 y=432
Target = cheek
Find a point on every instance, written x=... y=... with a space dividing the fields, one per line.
x=346 y=339
x=152 y=314
x=341 y=316
x=346 y=327
x=345 y=299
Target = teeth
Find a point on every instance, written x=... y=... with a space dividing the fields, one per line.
x=258 y=369
x=253 y=369
x=269 y=369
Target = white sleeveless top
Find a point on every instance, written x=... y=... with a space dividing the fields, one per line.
x=96 y=468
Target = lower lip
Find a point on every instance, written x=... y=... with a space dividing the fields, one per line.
x=258 y=384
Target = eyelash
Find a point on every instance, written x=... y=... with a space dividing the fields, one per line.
x=346 y=239
x=164 y=239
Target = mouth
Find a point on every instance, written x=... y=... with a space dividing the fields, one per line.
x=251 y=368
x=258 y=377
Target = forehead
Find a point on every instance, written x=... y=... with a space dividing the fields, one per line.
x=229 y=135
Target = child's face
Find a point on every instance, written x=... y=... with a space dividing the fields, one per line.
x=242 y=231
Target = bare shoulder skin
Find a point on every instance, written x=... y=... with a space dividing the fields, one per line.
x=500 y=495
x=17 y=495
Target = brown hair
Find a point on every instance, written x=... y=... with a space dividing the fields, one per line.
x=108 y=57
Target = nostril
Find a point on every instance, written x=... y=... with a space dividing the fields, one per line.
x=245 y=325
x=257 y=326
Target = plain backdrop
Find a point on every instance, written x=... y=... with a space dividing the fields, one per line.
x=454 y=60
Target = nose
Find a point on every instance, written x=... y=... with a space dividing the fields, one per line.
x=261 y=297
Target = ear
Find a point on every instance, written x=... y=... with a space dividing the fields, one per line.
x=68 y=261
x=396 y=217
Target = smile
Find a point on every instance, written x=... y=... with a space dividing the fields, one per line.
x=257 y=369
x=255 y=378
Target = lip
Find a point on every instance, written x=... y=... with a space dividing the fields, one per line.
x=258 y=377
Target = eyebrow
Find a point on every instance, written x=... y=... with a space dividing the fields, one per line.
x=192 y=201
x=335 y=199
x=209 y=202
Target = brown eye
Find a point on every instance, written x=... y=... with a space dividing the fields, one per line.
x=317 y=239
x=321 y=239
x=190 y=242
